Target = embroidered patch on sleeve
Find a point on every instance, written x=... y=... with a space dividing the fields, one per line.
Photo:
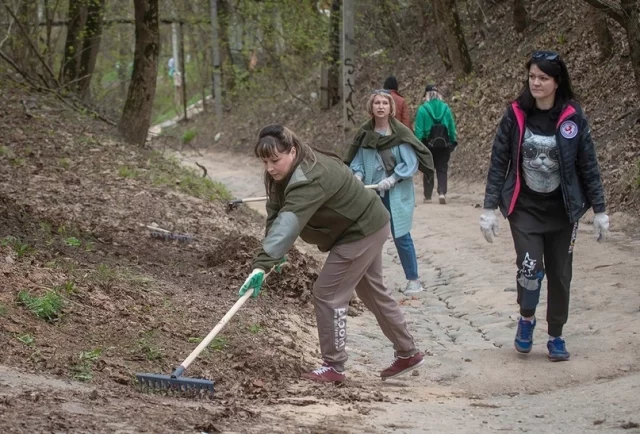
x=569 y=129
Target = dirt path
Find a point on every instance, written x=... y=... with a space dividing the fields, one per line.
x=473 y=379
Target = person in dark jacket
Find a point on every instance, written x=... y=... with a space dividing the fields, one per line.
x=544 y=176
x=315 y=196
x=402 y=109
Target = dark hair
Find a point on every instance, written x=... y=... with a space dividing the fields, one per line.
x=551 y=64
x=390 y=83
x=277 y=139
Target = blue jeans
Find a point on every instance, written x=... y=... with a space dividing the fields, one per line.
x=405 y=247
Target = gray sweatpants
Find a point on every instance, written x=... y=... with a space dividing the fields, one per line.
x=356 y=265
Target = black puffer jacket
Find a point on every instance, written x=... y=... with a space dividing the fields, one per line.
x=579 y=173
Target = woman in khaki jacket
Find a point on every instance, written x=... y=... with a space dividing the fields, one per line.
x=315 y=196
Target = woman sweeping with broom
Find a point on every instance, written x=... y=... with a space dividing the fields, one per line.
x=312 y=194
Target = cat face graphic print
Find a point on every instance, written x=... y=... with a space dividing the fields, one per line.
x=540 y=163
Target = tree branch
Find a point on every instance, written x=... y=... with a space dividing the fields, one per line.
x=33 y=47
x=17 y=69
x=610 y=8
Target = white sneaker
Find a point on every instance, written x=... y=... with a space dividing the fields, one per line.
x=442 y=199
x=413 y=287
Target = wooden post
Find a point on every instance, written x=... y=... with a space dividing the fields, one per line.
x=215 y=44
x=324 y=87
x=348 y=69
x=184 y=73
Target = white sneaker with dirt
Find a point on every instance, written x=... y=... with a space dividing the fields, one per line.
x=413 y=287
x=425 y=200
x=443 y=199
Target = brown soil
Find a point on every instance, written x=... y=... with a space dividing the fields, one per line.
x=73 y=223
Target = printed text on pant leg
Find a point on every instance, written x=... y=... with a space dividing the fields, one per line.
x=340 y=328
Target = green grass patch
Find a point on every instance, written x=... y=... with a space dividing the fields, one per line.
x=68 y=287
x=65 y=163
x=169 y=172
x=188 y=136
x=18 y=246
x=18 y=162
x=217 y=344
x=26 y=339
x=256 y=328
x=3 y=310
x=105 y=276
x=128 y=172
x=82 y=370
x=73 y=242
x=145 y=346
x=47 y=307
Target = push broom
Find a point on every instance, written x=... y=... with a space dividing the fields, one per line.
x=175 y=381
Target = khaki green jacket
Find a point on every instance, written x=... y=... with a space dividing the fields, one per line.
x=325 y=205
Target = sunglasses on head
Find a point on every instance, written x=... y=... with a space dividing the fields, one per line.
x=545 y=55
x=381 y=91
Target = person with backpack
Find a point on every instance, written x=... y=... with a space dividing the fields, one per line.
x=436 y=128
x=312 y=194
x=402 y=109
x=386 y=153
x=544 y=176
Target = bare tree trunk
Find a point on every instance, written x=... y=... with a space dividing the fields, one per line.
x=228 y=79
x=603 y=35
x=123 y=67
x=520 y=17
x=441 y=33
x=136 y=115
x=457 y=45
x=627 y=14
x=631 y=9
x=77 y=13
x=333 y=84
x=23 y=55
x=90 y=47
x=217 y=65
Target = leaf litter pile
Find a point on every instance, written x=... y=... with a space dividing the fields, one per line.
x=88 y=295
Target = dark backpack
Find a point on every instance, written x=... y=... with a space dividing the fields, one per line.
x=439 y=135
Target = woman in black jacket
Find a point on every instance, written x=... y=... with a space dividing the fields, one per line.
x=544 y=176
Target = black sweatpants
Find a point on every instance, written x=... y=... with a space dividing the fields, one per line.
x=544 y=239
x=441 y=158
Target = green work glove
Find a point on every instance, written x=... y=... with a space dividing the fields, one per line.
x=279 y=265
x=253 y=282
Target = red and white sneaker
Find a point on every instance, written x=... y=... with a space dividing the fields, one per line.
x=325 y=374
x=402 y=365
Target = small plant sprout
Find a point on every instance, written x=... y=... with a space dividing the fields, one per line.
x=255 y=328
x=26 y=339
x=68 y=287
x=82 y=370
x=188 y=136
x=73 y=242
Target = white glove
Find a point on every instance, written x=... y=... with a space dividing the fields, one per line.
x=601 y=225
x=358 y=176
x=489 y=224
x=386 y=184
